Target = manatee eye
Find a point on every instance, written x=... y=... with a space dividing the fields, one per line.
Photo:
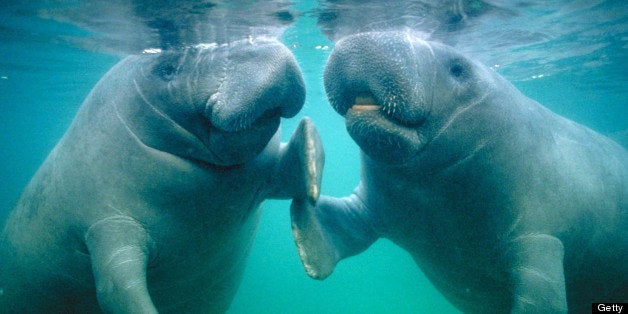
x=166 y=71
x=169 y=70
x=166 y=66
x=458 y=69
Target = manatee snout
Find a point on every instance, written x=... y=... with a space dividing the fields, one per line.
x=261 y=84
x=262 y=81
x=376 y=81
x=381 y=65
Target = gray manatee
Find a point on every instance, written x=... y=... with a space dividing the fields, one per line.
x=150 y=201
x=504 y=205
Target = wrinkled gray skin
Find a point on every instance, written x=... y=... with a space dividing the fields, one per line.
x=151 y=199
x=504 y=205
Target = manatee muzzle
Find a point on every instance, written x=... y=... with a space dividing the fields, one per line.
x=378 y=136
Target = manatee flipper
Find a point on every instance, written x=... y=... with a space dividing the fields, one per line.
x=299 y=171
x=317 y=252
x=298 y=176
x=119 y=248
x=332 y=230
x=537 y=274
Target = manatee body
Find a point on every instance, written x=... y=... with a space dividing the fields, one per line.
x=504 y=205
x=150 y=201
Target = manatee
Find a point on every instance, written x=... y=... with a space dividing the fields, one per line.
x=151 y=199
x=503 y=204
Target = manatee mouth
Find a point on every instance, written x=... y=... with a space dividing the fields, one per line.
x=379 y=134
x=243 y=144
x=365 y=103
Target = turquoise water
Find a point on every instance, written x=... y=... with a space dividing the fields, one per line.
x=43 y=80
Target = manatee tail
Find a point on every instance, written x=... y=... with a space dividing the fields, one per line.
x=332 y=230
